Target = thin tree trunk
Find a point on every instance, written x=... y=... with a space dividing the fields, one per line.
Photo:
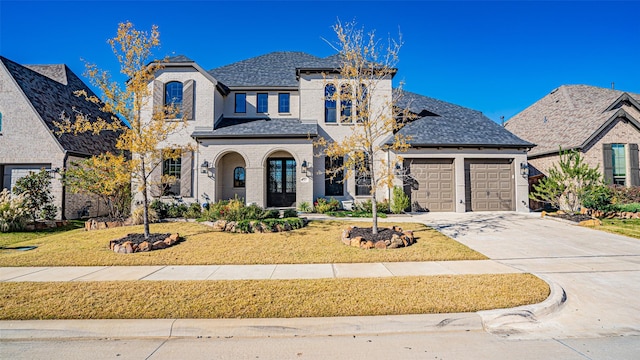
x=145 y=201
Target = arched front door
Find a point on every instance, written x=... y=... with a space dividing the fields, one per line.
x=281 y=182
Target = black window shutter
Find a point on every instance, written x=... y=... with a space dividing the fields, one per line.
x=635 y=168
x=607 y=162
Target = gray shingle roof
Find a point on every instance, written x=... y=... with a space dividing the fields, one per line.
x=271 y=70
x=179 y=59
x=569 y=116
x=440 y=123
x=262 y=127
x=50 y=89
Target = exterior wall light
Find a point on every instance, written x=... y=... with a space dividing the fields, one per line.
x=524 y=169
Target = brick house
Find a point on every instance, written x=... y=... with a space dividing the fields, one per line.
x=603 y=124
x=252 y=123
x=32 y=97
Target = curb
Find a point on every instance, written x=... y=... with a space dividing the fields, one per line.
x=494 y=320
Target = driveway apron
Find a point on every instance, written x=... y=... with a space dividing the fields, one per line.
x=600 y=272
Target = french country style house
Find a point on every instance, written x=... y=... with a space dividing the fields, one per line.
x=252 y=124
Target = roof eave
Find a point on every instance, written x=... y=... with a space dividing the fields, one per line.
x=251 y=136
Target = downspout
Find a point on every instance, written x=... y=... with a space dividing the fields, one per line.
x=388 y=170
x=64 y=188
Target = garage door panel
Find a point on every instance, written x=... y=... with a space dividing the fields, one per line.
x=489 y=185
x=431 y=183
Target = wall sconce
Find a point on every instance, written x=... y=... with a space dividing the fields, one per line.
x=398 y=169
x=204 y=167
x=304 y=166
x=524 y=169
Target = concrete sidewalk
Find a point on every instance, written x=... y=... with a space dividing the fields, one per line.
x=253 y=272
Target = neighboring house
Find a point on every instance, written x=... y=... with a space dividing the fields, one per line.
x=603 y=124
x=32 y=97
x=252 y=124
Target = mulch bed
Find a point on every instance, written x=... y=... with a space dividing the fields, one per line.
x=367 y=233
x=572 y=217
x=139 y=238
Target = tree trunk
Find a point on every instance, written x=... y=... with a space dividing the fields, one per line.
x=145 y=202
x=374 y=212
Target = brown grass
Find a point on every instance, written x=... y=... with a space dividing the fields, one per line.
x=268 y=298
x=319 y=242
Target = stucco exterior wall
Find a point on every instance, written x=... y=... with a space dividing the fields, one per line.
x=254 y=153
x=459 y=155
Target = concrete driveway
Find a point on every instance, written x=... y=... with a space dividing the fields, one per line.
x=600 y=272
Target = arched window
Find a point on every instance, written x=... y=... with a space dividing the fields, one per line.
x=345 y=103
x=238 y=177
x=330 y=103
x=173 y=95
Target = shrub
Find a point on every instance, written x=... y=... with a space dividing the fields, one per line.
x=159 y=207
x=598 y=198
x=568 y=183
x=36 y=188
x=290 y=213
x=271 y=214
x=137 y=215
x=305 y=207
x=13 y=212
x=49 y=212
x=194 y=211
x=400 y=201
x=367 y=207
x=625 y=195
x=323 y=205
x=254 y=212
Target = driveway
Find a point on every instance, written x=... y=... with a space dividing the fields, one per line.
x=600 y=272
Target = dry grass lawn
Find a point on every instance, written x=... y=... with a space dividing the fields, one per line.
x=627 y=227
x=319 y=242
x=268 y=298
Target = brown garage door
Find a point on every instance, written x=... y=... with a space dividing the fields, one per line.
x=430 y=184
x=489 y=185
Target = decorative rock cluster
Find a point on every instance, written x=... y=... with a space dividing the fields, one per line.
x=125 y=246
x=399 y=238
x=612 y=214
x=97 y=224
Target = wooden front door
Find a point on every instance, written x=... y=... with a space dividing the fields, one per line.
x=281 y=183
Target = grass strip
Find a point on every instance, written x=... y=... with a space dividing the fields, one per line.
x=317 y=243
x=627 y=227
x=268 y=298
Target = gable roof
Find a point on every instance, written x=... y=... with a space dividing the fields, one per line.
x=440 y=123
x=571 y=116
x=50 y=90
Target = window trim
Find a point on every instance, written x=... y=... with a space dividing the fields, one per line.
x=282 y=96
x=177 y=104
x=169 y=168
x=244 y=103
x=266 y=104
x=236 y=179
x=616 y=177
x=330 y=104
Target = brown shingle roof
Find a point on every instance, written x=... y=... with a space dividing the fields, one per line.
x=569 y=116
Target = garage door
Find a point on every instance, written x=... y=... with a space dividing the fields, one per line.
x=489 y=185
x=430 y=184
x=13 y=173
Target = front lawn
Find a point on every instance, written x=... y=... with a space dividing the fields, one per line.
x=13 y=239
x=268 y=298
x=627 y=227
x=319 y=242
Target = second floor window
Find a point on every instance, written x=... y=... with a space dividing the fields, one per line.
x=241 y=103
x=283 y=103
x=330 y=103
x=345 y=103
x=173 y=95
x=262 y=103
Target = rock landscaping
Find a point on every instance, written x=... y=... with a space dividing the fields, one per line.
x=133 y=243
x=105 y=223
x=386 y=238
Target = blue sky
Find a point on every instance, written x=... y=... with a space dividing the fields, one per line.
x=496 y=57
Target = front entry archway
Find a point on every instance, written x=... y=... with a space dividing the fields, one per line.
x=281 y=182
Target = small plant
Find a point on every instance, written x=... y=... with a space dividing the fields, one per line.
x=271 y=214
x=194 y=211
x=289 y=213
x=13 y=212
x=49 y=212
x=400 y=201
x=323 y=205
x=305 y=207
x=367 y=207
x=137 y=215
x=598 y=198
x=36 y=188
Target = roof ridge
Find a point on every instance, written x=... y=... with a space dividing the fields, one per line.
x=567 y=96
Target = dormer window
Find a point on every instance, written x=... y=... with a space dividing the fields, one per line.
x=262 y=103
x=173 y=95
x=330 y=104
x=241 y=103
